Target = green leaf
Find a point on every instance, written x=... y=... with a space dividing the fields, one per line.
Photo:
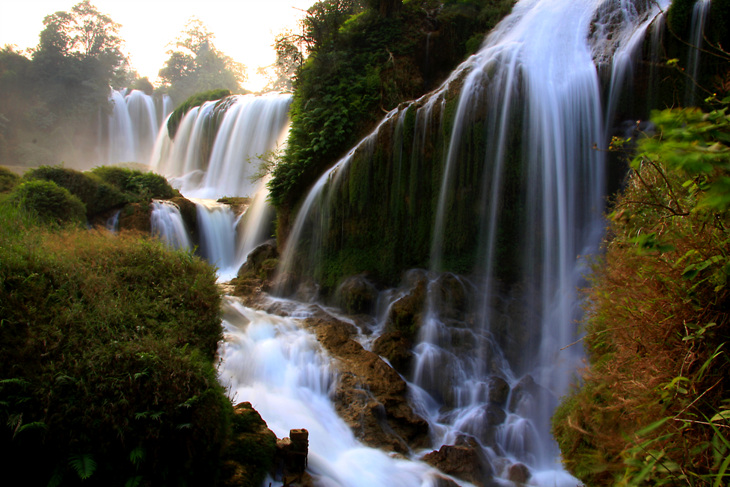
x=84 y=465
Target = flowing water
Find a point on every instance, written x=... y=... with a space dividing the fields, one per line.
x=133 y=126
x=542 y=95
x=696 y=40
x=540 y=78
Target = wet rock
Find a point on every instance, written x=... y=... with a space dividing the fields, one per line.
x=465 y=460
x=450 y=297
x=291 y=456
x=356 y=295
x=406 y=314
x=527 y=394
x=441 y=481
x=397 y=349
x=518 y=473
x=483 y=425
x=256 y=259
x=370 y=396
x=498 y=391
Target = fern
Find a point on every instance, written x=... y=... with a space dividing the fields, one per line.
x=84 y=465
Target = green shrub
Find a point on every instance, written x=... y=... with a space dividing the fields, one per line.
x=136 y=185
x=97 y=196
x=8 y=180
x=49 y=202
x=107 y=347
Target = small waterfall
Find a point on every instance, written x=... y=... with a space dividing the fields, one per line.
x=167 y=224
x=217 y=227
x=696 y=40
x=281 y=369
x=133 y=125
x=217 y=146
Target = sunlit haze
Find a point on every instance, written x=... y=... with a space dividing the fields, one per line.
x=243 y=29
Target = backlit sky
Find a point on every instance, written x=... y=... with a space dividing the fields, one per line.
x=244 y=29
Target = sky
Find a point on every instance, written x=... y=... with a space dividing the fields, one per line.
x=243 y=29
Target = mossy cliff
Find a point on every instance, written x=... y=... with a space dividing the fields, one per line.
x=364 y=62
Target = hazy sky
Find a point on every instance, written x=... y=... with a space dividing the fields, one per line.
x=244 y=29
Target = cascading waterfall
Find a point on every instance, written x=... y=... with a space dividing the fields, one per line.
x=216 y=153
x=533 y=95
x=133 y=125
x=217 y=148
x=696 y=39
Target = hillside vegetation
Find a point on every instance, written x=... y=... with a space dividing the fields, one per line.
x=654 y=405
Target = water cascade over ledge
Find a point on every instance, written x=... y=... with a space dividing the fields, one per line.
x=503 y=165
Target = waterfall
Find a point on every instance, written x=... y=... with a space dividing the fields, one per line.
x=217 y=148
x=167 y=224
x=696 y=39
x=539 y=100
x=133 y=125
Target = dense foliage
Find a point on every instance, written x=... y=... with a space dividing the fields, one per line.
x=654 y=408
x=106 y=358
x=365 y=60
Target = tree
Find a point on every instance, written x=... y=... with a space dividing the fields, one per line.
x=196 y=65
x=289 y=59
x=82 y=33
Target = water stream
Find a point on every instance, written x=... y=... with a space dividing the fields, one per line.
x=542 y=93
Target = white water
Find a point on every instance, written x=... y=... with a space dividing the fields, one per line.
x=133 y=125
x=282 y=371
x=206 y=162
x=167 y=224
x=696 y=40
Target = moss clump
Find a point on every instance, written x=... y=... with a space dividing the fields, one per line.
x=138 y=186
x=107 y=346
x=49 y=202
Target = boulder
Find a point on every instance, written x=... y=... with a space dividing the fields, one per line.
x=518 y=473
x=406 y=313
x=498 y=391
x=256 y=259
x=397 y=349
x=465 y=460
x=356 y=295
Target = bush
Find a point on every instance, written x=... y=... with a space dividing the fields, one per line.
x=49 y=202
x=138 y=186
x=8 y=180
x=107 y=346
x=97 y=196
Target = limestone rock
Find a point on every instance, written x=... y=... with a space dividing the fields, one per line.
x=356 y=295
x=256 y=258
x=465 y=460
x=397 y=349
x=370 y=396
